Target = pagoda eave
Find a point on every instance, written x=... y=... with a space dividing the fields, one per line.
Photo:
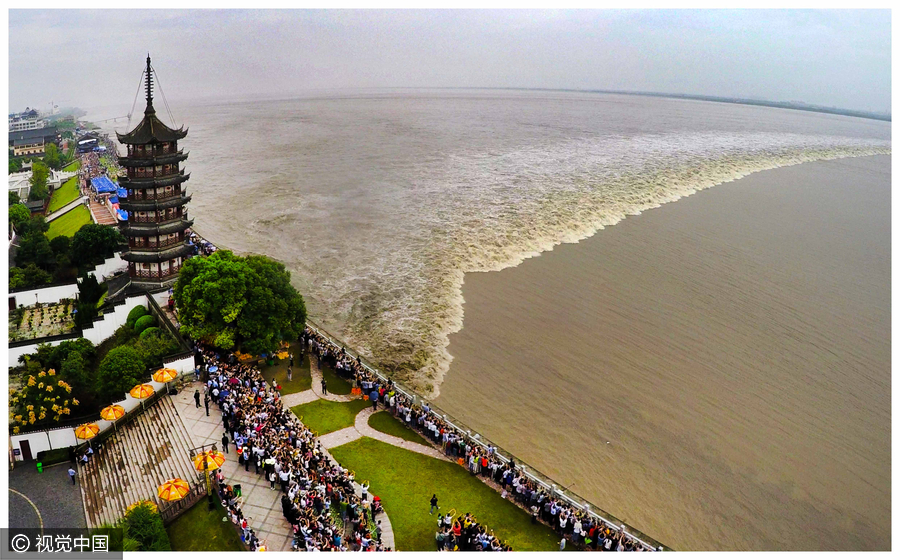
x=151 y=256
x=141 y=230
x=137 y=183
x=153 y=160
x=152 y=205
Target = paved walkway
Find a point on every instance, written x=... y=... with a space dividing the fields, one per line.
x=261 y=505
x=316 y=373
x=70 y=206
x=47 y=499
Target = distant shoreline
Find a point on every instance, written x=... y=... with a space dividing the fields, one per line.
x=713 y=98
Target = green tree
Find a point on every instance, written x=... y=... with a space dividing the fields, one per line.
x=230 y=301
x=35 y=248
x=39 y=174
x=119 y=371
x=144 y=525
x=74 y=370
x=52 y=156
x=14 y=196
x=61 y=245
x=155 y=347
x=34 y=223
x=18 y=215
x=15 y=165
x=27 y=277
x=95 y=242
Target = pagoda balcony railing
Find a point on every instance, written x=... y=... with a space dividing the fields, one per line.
x=136 y=195
x=141 y=244
x=135 y=174
x=156 y=151
x=140 y=273
x=157 y=219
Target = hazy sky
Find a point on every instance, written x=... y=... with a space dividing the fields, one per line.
x=94 y=58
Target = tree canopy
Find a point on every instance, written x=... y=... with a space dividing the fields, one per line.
x=239 y=302
x=34 y=247
x=95 y=242
x=53 y=157
x=18 y=215
x=39 y=174
x=119 y=371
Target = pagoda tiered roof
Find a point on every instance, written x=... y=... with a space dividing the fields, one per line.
x=151 y=129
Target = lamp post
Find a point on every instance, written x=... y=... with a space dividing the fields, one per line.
x=209 y=496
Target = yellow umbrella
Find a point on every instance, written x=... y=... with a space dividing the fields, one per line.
x=87 y=431
x=173 y=490
x=214 y=460
x=165 y=375
x=141 y=391
x=112 y=413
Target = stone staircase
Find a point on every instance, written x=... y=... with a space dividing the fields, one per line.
x=131 y=464
x=102 y=214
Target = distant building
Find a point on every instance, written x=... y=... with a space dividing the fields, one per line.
x=29 y=120
x=19 y=182
x=33 y=141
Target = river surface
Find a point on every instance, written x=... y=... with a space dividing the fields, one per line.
x=381 y=202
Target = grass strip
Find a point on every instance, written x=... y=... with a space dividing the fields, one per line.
x=405 y=481
x=386 y=423
x=69 y=223
x=324 y=417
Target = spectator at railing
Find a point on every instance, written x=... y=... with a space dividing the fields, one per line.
x=574 y=524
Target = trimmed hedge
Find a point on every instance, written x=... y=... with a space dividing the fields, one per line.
x=149 y=331
x=143 y=323
x=135 y=314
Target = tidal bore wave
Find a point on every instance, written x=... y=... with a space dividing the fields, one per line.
x=492 y=211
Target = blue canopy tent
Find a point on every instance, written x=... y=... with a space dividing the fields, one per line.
x=123 y=215
x=121 y=192
x=113 y=199
x=103 y=185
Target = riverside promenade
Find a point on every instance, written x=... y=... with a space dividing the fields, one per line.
x=361 y=431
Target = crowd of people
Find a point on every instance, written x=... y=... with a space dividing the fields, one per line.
x=466 y=534
x=90 y=168
x=318 y=498
x=574 y=525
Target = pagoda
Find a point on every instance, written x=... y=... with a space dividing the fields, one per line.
x=154 y=200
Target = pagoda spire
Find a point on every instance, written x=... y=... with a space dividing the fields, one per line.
x=149 y=87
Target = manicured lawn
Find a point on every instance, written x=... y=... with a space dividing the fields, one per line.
x=72 y=166
x=301 y=378
x=336 y=384
x=201 y=529
x=69 y=223
x=405 y=481
x=64 y=195
x=385 y=422
x=324 y=417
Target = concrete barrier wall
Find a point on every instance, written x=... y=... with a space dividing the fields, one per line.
x=52 y=294
x=105 y=326
x=65 y=437
x=14 y=354
x=181 y=365
x=109 y=267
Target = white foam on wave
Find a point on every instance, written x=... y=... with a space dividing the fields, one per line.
x=498 y=210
